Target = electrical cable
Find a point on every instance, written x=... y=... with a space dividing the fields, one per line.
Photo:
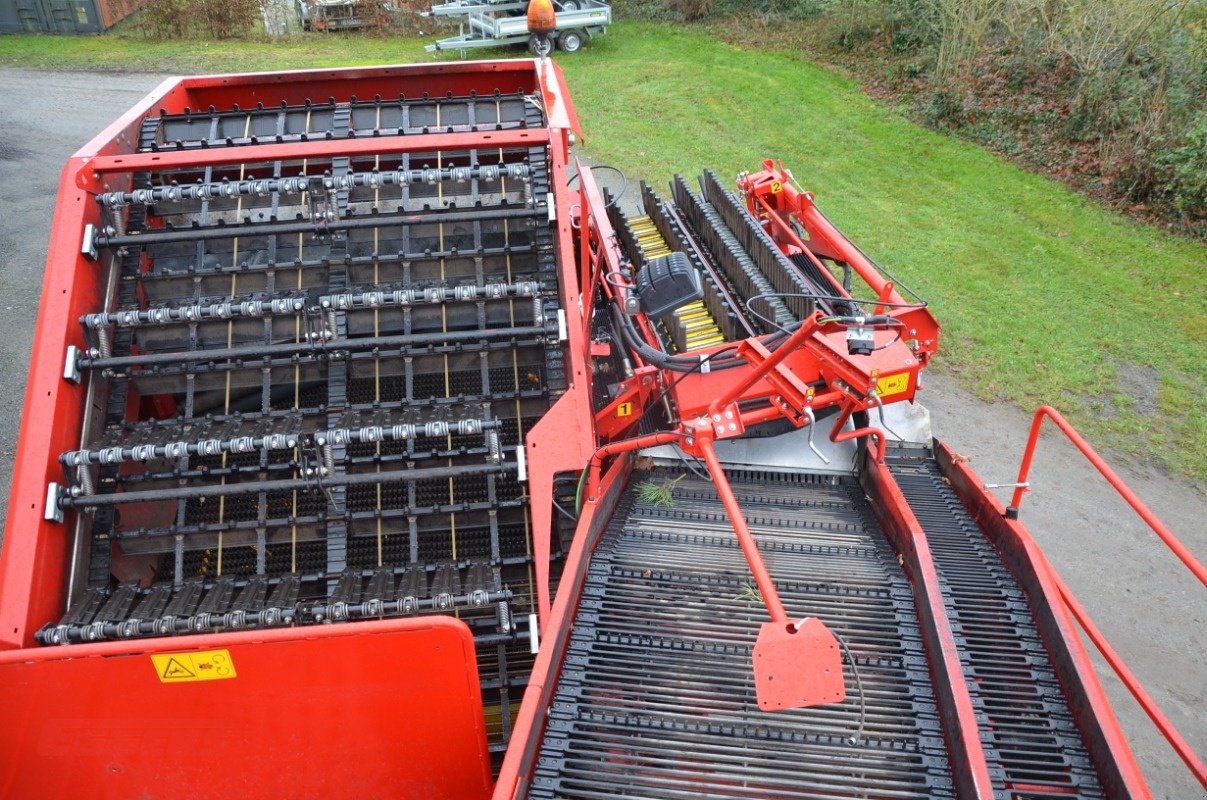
x=624 y=186
x=691 y=468
x=568 y=515
x=896 y=283
x=768 y=320
x=578 y=492
x=607 y=277
x=858 y=680
x=677 y=363
x=858 y=687
x=669 y=387
x=840 y=298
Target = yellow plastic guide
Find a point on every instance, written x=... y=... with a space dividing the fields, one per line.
x=701 y=328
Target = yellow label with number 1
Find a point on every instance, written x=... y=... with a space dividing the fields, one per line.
x=205 y=665
x=624 y=410
x=892 y=384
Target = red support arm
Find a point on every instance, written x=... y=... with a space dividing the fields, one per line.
x=749 y=548
x=798 y=337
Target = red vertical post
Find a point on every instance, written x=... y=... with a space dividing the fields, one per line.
x=1179 y=549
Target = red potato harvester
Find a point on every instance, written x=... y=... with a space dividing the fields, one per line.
x=372 y=450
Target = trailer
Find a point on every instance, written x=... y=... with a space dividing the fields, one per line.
x=371 y=449
x=337 y=15
x=495 y=24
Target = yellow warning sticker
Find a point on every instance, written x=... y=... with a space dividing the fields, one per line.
x=892 y=384
x=776 y=187
x=624 y=410
x=206 y=665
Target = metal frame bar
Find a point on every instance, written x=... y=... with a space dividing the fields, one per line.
x=1120 y=774
x=90 y=174
x=1021 y=486
x=967 y=752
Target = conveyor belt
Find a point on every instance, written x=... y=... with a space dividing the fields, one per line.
x=312 y=377
x=656 y=696
x=1032 y=744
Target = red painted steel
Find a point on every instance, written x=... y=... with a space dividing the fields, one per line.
x=530 y=723
x=969 y=764
x=773 y=196
x=804 y=657
x=1079 y=680
x=34 y=560
x=771 y=597
x=1184 y=555
x=1129 y=679
x=1133 y=683
x=563 y=439
x=372 y=709
x=762 y=363
x=797 y=664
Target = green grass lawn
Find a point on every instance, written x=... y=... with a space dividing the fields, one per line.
x=1043 y=295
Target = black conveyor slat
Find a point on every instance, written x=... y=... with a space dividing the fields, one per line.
x=656 y=694
x=316 y=374
x=1029 y=733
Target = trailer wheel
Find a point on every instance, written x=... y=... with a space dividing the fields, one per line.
x=539 y=48
x=570 y=5
x=570 y=41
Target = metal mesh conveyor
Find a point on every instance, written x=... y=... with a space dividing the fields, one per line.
x=656 y=695
x=311 y=379
x=1032 y=743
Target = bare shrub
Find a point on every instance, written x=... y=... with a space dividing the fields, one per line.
x=216 y=19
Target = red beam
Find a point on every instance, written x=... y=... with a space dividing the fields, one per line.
x=970 y=766
x=89 y=176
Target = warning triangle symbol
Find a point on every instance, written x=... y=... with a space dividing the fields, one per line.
x=176 y=670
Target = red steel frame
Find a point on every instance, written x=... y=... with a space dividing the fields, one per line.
x=1021 y=486
x=1129 y=679
x=291 y=681
x=318 y=712
x=34 y=561
x=33 y=566
x=1078 y=678
x=714 y=401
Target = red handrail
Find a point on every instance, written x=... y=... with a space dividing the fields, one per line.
x=1179 y=549
x=1129 y=679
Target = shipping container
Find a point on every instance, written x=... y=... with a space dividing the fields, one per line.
x=64 y=16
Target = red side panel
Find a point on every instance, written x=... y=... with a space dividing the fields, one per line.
x=374 y=710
